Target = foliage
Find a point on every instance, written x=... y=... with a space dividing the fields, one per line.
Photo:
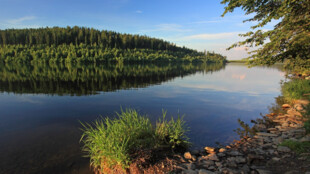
x=289 y=40
x=299 y=147
x=110 y=142
x=245 y=130
x=296 y=89
x=80 y=44
x=91 y=54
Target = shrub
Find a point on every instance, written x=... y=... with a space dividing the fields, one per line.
x=296 y=89
x=110 y=143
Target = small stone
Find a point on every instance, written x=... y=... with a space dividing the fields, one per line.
x=245 y=169
x=187 y=155
x=262 y=171
x=266 y=134
x=211 y=168
x=278 y=140
x=234 y=153
x=240 y=160
x=208 y=163
x=305 y=139
x=286 y=106
x=213 y=157
x=283 y=149
x=204 y=171
x=221 y=150
x=218 y=164
x=191 y=166
x=210 y=149
x=232 y=164
x=221 y=154
x=189 y=172
x=275 y=159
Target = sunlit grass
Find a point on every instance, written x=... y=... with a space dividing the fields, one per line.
x=110 y=142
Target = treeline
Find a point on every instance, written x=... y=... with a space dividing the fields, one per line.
x=92 y=54
x=87 y=79
x=81 y=44
x=82 y=35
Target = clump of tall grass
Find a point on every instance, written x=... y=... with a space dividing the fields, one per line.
x=110 y=142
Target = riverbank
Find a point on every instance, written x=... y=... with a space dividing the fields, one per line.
x=262 y=153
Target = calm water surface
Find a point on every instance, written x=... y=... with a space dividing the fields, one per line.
x=41 y=106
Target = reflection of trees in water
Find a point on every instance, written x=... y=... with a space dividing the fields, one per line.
x=69 y=79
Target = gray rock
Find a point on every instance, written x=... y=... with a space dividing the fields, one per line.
x=240 y=160
x=204 y=171
x=262 y=171
x=278 y=140
x=232 y=164
x=245 y=169
x=275 y=159
x=305 y=139
x=213 y=157
x=221 y=154
x=234 y=153
x=291 y=172
x=208 y=163
x=189 y=172
x=218 y=164
x=266 y=134
x=190 y=166
x=283 y=149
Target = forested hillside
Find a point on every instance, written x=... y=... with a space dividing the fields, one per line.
x=80 y=44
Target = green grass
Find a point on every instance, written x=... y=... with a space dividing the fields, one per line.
x=110 y=142
x=298 y=147
x=296 y=89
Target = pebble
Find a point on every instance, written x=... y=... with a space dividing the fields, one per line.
x=187 y=155
x=204 y=171
x=283 y=149
x=250 y=155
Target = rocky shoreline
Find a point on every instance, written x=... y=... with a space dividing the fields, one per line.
x=258 y=154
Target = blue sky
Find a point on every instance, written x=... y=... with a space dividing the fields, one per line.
x=196 y=24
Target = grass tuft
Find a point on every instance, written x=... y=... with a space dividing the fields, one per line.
x=110 y=143
x=298 y=147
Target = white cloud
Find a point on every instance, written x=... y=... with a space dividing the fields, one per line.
x=22 y=19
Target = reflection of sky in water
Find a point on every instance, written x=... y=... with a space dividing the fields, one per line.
x=212 y=103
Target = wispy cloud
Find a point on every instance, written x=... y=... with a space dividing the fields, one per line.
x=207 y=22
x=139 y=11
x=22 y=19
x=168 y=28
x=212 y=36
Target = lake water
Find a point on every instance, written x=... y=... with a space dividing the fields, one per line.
x=41 y=105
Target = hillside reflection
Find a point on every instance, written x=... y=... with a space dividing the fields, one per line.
x=69 y=79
